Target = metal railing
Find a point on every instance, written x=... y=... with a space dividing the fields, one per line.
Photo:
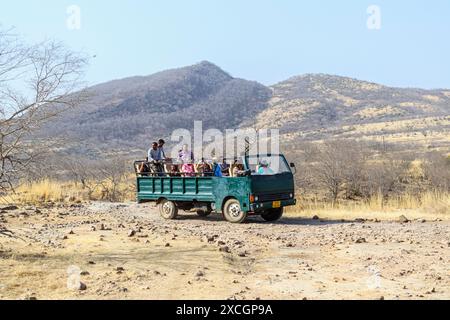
x=144 y=168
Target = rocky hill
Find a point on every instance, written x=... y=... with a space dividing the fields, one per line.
x=128 y=114
x=132 y=112
x=318 y=106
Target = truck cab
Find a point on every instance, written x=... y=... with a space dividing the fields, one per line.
x=264 y=187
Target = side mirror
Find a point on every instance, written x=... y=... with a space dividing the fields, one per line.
x=292 y=165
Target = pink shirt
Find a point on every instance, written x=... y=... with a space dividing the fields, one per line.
x=188 y=169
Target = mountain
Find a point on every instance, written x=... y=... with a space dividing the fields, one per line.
x=126 y=115
x=315 y=107
x=132 y=112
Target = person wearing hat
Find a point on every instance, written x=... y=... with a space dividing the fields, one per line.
x=264 y=168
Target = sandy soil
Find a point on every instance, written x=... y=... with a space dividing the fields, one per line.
x=126 y=251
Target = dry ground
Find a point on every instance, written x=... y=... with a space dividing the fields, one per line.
x=207 y=258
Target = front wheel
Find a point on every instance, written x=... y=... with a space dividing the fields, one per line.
x=232 y=211
x=168 y=209
x=272 y=214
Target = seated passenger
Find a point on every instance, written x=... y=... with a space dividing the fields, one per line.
x=217 y=170
x=235 y=163
x=173 y=170
x=187 y=157
x=143 y=167
x=264 y=168
x=188 y=169
x=203 y=168
x=224 y=167
x=238 y=170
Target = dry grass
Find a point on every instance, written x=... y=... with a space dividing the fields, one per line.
x=431 y=205
x=55 y=191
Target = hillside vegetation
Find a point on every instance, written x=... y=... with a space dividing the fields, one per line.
x=318 y=107
x=132 y=112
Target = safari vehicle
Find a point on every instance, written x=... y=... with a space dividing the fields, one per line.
x=251 y=193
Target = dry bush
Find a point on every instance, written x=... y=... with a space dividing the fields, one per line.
x=303 y=158
x=72 y=179
x=114 y=183
x=341 y=175
x=46 y=190
x=339 y=166
x=385 y=176
x=437 y=171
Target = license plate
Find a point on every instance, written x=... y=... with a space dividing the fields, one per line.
x=276 y=204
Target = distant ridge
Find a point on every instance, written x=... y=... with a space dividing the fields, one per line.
x=127 y=113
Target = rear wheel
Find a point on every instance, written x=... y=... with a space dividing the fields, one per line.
x=232 y=211
x=168 y=209
x=272 y=214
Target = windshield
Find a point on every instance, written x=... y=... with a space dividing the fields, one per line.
x=267 y=164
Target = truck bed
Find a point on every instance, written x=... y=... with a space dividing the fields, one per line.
x=176 y=188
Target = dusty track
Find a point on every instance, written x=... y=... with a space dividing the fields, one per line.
x=129 y=252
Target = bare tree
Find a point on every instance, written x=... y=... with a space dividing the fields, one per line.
x=355 y=169
x=329 y=166
x=111 y=177
x=36 y=83
x=340 y=167
x=88 y=173
x=114 y=174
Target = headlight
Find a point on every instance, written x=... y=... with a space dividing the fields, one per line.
x=256 y=198
x=291 y=195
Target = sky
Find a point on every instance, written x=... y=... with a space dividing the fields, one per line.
x=397 y=43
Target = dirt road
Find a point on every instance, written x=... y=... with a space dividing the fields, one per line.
x=127 y=251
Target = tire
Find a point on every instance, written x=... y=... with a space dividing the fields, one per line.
x=232 y=211
x=168 y=209
x=272 y=214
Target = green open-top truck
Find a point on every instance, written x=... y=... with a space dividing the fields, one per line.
x=254 y=192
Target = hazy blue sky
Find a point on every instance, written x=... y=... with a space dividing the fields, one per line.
x=263 y=40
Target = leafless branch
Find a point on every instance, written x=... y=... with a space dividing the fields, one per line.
x=37 y=83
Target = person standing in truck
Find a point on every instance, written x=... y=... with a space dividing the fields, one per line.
x=162 y=154
x=155 y=159
x=185 y=154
